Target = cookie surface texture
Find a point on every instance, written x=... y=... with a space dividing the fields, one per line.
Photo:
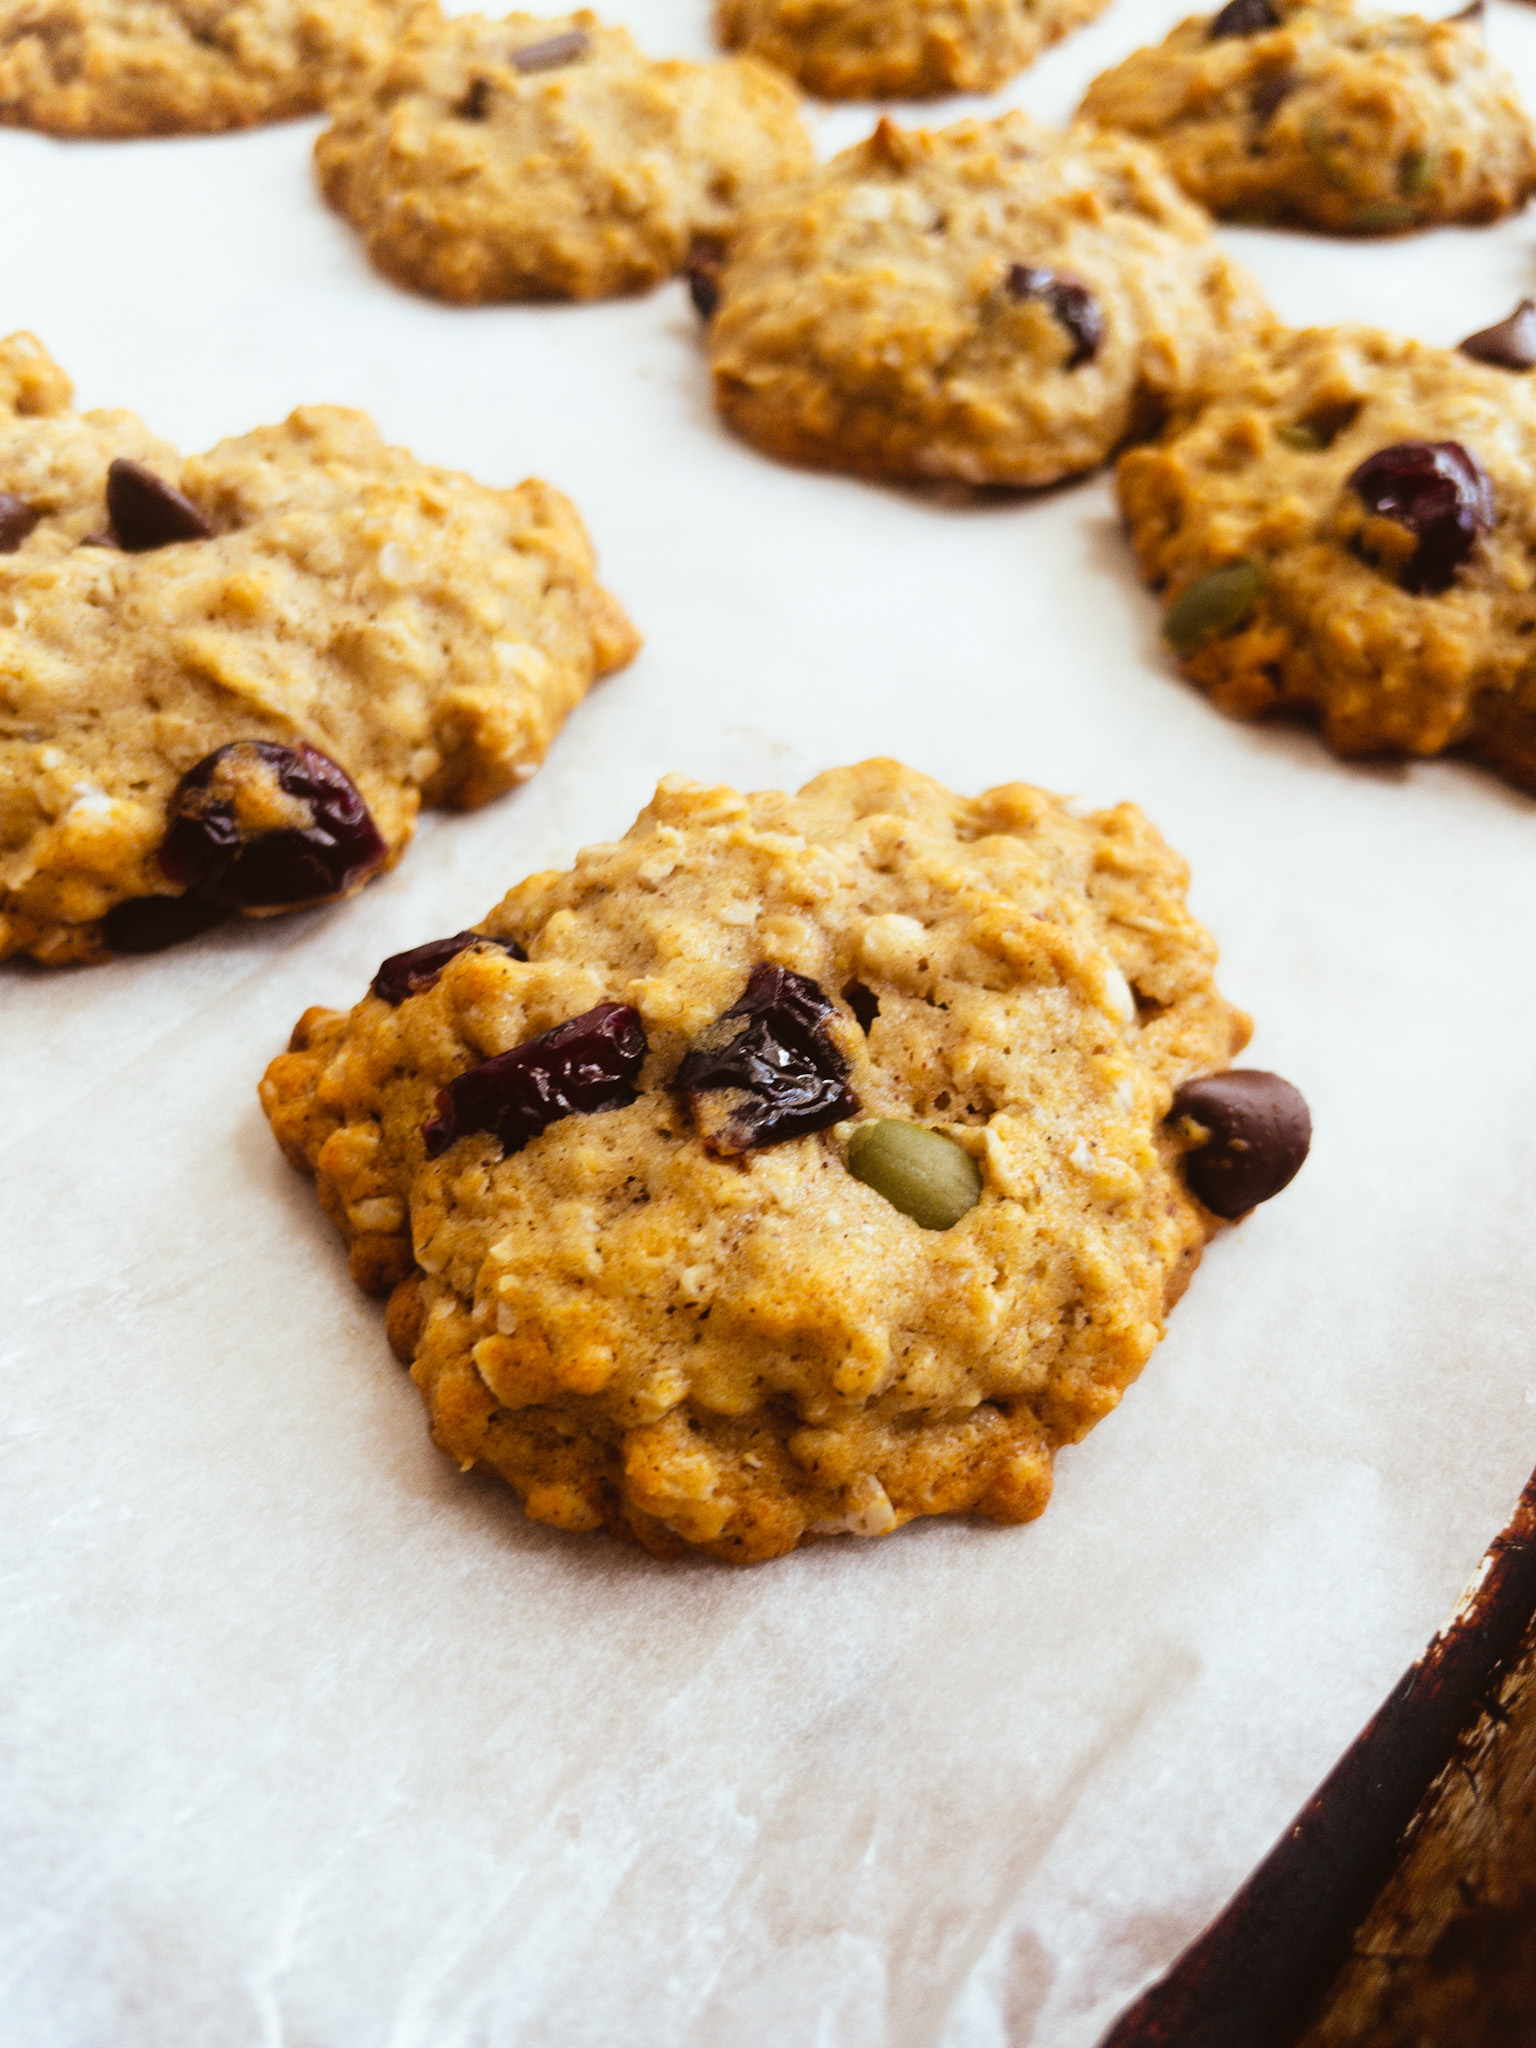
x=1323 y=619
x=996 y=303
x=736 y=1353
x=425 y=632
x=899 y=49
x=1336 y=118
x=547 y=158
x=119 y=68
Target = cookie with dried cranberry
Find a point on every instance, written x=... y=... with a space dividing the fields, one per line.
x=230 y=682
x=546 y=157
x=115 y=68
x=795 y=1165
x=1343 y=527
x=899 y=49
x=994 y=302
x=1327 y=115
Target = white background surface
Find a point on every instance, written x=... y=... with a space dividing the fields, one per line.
x=309 y=1741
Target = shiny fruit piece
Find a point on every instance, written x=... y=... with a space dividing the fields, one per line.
x=769 y=1069
x=153 y=924
x=258 y=826
x=1440 y=493
x=414 y=972
x=590 y=1062
x=923 y=1173
x=1258 y=1131
x=1242 y=18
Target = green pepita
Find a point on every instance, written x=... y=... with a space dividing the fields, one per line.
x=1415 y=172
x=920 y=1172
x=1216 y=603
x=1297 y=434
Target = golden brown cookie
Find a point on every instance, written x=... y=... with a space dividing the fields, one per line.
x=1324 y=114
x=1344 y=527
x=169 y=67
x=995 y=302
x=815 y=1169
x=547 y=158
x=899 y=49
x=231 y=681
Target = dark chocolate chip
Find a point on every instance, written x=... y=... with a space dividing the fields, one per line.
x=1269 y=92
x=706 y=260
x=1071 y=304
x=476 y=103
x=864 y=1003
x=1511 y=345
x=1243 y=18
x=768 y=1069
x=1440 y=493
x=414 y=972
x=588 y=1063
x=151 y=924
x=552 y=53
x=212 y=848
x=1260 y=1132
x=17 y=519
x=146 y=512
x=1473 y=12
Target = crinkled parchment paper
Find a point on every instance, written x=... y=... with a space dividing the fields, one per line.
x=307 y=1739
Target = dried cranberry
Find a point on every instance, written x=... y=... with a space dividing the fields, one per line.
x=258 y=826
x=1243 y=18
x=413 y=973
x=146 y=512
x=151 y=924
x=768 y=1069
x=1439 y=492
x=1070 y=304
x=588 y=1063
x=17 y=519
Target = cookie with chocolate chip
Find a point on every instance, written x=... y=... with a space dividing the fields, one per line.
x=1343 y=527
x=899 y=49
x=795 y=1165
x=114 y=68
x=229 y=682
x=548 y=158
x=994 y=302
x=1326 y=115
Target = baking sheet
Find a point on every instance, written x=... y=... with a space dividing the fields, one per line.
x=308 y=1740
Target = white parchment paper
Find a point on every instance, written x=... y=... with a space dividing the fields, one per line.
x=308 y=1741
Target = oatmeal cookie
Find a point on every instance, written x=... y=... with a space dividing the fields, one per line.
x=795 y=1165
x=1344 y=527
x=993 y=302
x=114 y=68
x=230 y=682
x=1316 y=113
x=547 y=158
x=899 y=49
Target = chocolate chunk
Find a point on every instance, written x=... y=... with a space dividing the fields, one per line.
x=1269 y=92
x=476 y=103
x=151 y=924
x=1260 y=1132
x=17 y=519
x=1440 y=493
x=146 y=512
x=1072 y=305
x=1243 y=18
x=414 y=972
x=1511 y=345
x=768 y=1069
x=219 y=844
x=551 y=54
x=706 y=260
x=590 y=1062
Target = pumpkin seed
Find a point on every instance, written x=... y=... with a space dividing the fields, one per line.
x=920 y=1172
x=1214 y=604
